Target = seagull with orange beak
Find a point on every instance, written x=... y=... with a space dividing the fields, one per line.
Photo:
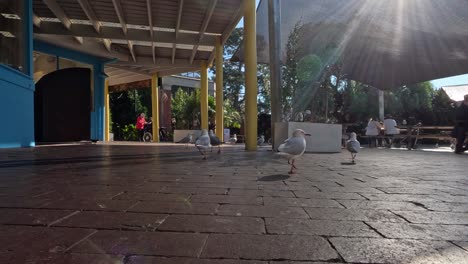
x=293 y=147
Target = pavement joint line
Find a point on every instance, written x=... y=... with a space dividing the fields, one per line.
x=203 y=246
x=63 y=218
x=374 y=229
x=363 y=195
x=404 y=218
x=81 y=240
x=455 y=244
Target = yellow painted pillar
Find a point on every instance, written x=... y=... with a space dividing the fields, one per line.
x=251 y=90
x=155 y=106
x=204 y=95
x=107 y=109
x=219 y=89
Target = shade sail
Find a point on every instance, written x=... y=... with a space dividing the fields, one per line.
x=385 y=44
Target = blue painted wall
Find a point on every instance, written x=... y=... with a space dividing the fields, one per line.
x=17 y=95
x=16 y=109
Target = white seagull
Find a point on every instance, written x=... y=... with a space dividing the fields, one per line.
x=203 y=143
x=353 y=146
x=261 y=140
x=294 y=147
x=233 y=140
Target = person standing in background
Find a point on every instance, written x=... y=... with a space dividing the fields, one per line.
x=461 y=126
x=140 y=126
x=390 y=129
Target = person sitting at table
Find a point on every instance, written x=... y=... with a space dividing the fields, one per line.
x=390 y=130
x=461 y=126
x=373 y=130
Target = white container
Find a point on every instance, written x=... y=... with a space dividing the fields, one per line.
x=180 y=134
x=325 y=138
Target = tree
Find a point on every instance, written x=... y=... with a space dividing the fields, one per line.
x=289 y=70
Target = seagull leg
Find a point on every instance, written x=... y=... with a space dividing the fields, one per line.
x=293 y=164
x=289 y=162
x=219 y=149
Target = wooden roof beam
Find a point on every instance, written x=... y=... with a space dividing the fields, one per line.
x=120 y=16
x=150 y=24
x=179 y=17
x=95 y=21
x=205 y=23
x=60 y=14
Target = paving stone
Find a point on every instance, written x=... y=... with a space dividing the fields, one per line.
x=421 y=231
x=328 y=195
x=271 y=193
x=213 y=224
x=425 y=217
x=142 y=243
x=114 y=220
x=226 y=199
x=170 y=197
x=174 y=207
x=31 y=216
x=352 y=214
x=350 y=190
x=280 y=201
x=268 y=247
x=162 y=260
x=182 y=190
x=381 y=205
x=462 y=244
x=447 y=207
x=318 y=227
x=420 y=198
x=40 y=239
x=99 y=205
x=262 y=211
x=381 y=250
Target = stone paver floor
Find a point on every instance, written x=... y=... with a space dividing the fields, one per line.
x=141 y=204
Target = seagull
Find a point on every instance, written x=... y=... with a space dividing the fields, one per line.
x=261 y=140
x=233 y=140
x=186 y=140
x=293 y=147
x=203 y=143
x=215 y=141
x=353 y=146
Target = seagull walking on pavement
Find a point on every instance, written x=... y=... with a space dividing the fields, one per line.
x=233 y=140
x=186 y=140
x=261 y=140
x=293 y=147
x=353 y=146
x=203 y=143
x=215 y=141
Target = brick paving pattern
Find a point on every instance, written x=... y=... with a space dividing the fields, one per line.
x=142 y=204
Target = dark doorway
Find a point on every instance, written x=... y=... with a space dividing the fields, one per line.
x=62 y=106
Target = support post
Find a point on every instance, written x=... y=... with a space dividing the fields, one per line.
x=381 y=105
x=107 y=109
x=155 y=106
x=274 y=20
x=98 y=114
x=219 y=90
x=204 y=95
x=251 y=90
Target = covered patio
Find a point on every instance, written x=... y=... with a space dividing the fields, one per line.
x=120 y=203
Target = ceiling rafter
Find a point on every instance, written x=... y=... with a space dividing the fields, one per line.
x=95 y=21
x=228 y=30
x=179 y=17
x=36 y=21
x=205 y=23
x=150 y=24
x=53 y=28
x=60 y=14
x=120 y=16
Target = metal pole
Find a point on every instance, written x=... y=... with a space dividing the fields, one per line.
x=274 y=20
x=251 y=89
x=204 y=95
x=219 y=89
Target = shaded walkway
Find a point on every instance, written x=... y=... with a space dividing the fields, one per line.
x=163 y=204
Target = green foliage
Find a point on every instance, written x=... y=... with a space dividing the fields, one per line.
x=126 y=106
x=129 y=133
x=186 y=108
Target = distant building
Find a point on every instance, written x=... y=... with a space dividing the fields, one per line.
x=456 y=92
